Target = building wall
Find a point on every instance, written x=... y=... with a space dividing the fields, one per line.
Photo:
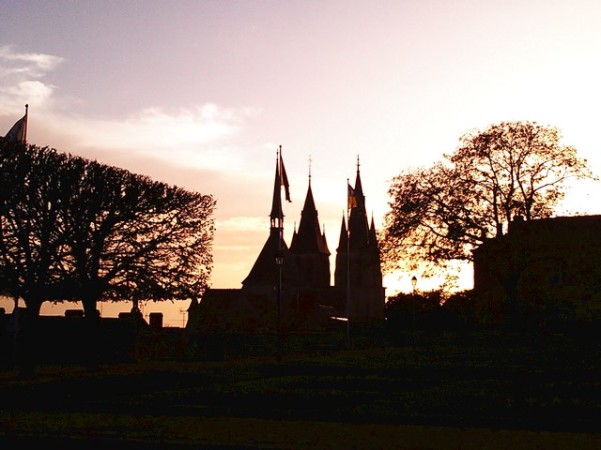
x=550 y=267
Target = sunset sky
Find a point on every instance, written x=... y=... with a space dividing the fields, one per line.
x=201 y=93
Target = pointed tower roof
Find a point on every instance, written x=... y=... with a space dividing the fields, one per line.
x=359 y=187
x=264 y=270
x=309 y=238
x=343 y=240
x=294 y=235
x=277 y=212
x=358 y=227
x=373 y=236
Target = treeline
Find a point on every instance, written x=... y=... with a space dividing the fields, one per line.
x=74 y=229
x=428 y=311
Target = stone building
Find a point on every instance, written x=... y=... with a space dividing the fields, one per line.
x=540 y=271
x=289 y=286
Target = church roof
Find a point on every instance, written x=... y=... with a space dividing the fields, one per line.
x=343 y=240
x=265 y=271
x=373 y=236
x=358 y=227
x=309 y=237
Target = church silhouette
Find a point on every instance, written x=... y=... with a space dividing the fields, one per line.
x=288 y=287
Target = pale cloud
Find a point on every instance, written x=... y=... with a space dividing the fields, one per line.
x=199 y=136
x=34 y=92
x=20 y=75
x=198 y=142
x=199 y=125
x=32 y=65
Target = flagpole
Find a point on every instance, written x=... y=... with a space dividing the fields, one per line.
x=279 y=256
x=279 y=262
x=25 y=126
x=348 y=272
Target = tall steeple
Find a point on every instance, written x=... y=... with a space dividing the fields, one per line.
x=358 y=227
x=360 y=254
x=263 y=271
x=281 y=180
x=309 y=237
x=341 y=272
x=305 y=273
x=309 y=245
x=358 y=272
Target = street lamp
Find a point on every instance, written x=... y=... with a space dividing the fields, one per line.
x=279 y=261
x=413 y=307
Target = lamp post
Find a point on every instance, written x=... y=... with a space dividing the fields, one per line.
x=413 y=306
x=279 y=261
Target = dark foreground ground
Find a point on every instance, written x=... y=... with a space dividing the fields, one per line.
x=477 y=390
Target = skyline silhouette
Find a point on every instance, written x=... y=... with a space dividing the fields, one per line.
x=202 y=95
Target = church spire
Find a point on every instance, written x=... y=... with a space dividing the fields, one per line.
x=281 y=179
x=358 y=227
x=309 y=245
x=309 y=237
x=359 y=187
x=343 y=239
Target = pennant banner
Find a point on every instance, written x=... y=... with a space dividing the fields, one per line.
x=352 y=198
x=284 y=177
x=18 y=132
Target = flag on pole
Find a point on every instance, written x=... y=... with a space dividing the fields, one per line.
x=18 y=132
x=352 y=198
x=284 y=177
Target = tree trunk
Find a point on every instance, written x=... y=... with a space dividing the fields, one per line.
x=27 y=335
x=91 y=356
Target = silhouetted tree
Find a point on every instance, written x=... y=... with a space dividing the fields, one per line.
x=73 y=229
x=135 y=238
x=32 y=238
x=440 y=214
x=413 y=312
x=459 y=310
x=76 y=229
x=32 y=235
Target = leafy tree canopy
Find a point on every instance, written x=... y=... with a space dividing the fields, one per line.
x=75 y=229
x=438 y=215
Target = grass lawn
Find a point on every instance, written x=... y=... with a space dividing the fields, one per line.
x=473 y=392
